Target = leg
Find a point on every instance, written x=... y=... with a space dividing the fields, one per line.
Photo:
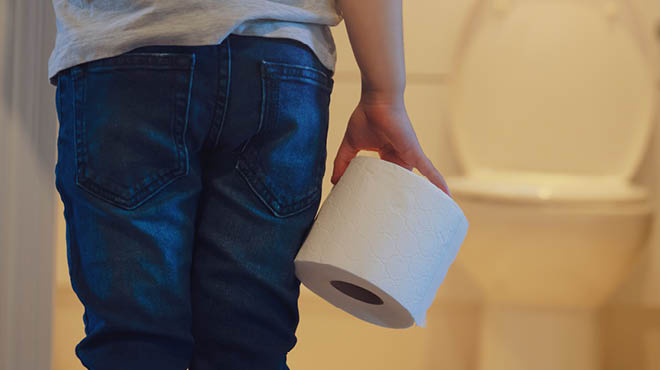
x=129 y=178
x=261 y=190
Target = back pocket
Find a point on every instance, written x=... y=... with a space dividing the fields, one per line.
x=130 y=122
x=284 y=162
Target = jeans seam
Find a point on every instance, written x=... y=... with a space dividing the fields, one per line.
x=225 y=103
x=263 y=107
x=263 y=100
x=76 y=134
x=185 y=125
x=58 y=97
x=211 y=130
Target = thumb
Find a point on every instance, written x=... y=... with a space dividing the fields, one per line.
x=345 y=153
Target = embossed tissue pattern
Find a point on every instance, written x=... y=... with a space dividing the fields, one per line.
x=391 y=227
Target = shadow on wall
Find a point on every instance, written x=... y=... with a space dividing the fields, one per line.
x=25 y=70
x=6 y=54
x=630 y=322
x=630 y=337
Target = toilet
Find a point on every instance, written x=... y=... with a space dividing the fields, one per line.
x=551 y=109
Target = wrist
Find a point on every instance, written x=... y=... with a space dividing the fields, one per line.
x=392 y=84
x=382 y=96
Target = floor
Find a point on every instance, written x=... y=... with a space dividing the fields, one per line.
x=68 y=330
x=328 y=338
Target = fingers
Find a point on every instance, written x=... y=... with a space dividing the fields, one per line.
x=426 y=168
x=345 y=153
x=389 y=154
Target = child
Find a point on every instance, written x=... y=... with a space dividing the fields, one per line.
x=191 y=153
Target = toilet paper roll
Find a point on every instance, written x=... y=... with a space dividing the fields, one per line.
x=381 y=244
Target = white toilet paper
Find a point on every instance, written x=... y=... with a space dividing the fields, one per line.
x=381 y=244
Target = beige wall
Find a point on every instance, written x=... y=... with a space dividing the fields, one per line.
x=329 y=338
x=629 y=326
x=643 y=286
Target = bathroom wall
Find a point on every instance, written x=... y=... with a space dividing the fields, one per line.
x=27 y=142
x=329 y=338
x=643 y=286
x=630 y=324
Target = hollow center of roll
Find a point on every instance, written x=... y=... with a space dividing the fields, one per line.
x=356 y=292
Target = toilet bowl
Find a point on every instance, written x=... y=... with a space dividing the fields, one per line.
x=550 y=245
x=551 y=109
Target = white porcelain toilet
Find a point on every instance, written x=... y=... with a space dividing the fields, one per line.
x=552 y=103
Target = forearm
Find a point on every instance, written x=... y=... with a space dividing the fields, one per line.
x=375 y=31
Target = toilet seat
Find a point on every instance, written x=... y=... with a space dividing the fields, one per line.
x=558 y=87
x=535 y=188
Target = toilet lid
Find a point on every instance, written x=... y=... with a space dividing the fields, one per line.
x=539 y=187
x=562 y=87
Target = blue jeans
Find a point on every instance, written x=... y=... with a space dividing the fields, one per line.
x=190 y=176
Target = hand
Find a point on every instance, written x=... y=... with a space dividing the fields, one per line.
x=380 y=123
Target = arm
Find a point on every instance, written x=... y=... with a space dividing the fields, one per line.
x=376 y=34
x=380 y=121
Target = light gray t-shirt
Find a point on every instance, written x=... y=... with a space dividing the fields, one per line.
x=94 y=29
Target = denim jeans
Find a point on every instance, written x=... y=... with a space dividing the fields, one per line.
x=190 y=176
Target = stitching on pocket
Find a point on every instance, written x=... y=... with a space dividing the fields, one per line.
x=303 y=73
x=265 y=194
x=248 y=162
x=132 y=195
